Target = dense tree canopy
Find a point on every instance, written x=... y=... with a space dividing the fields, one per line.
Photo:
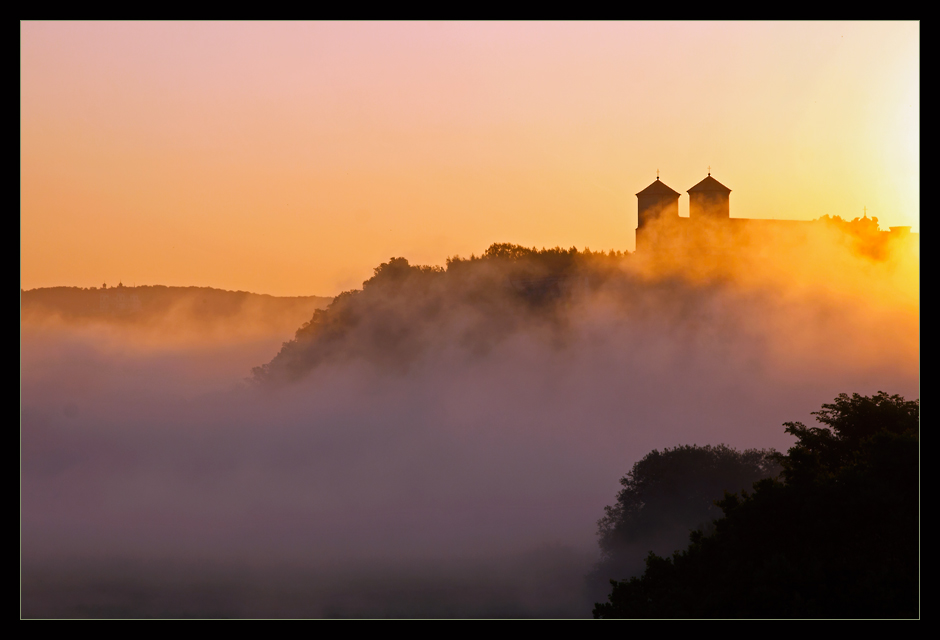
x=863 y=235
x=402 y=307
x=836 y=536
x=668 y=494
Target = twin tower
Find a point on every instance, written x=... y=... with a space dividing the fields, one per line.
x=708 y=200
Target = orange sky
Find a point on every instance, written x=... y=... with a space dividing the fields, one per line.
x=292 y=158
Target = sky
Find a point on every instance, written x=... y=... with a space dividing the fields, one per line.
x=292 y=158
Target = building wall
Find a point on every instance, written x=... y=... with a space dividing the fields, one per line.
x=654 y=207
x=709 y=204
x=654 y=211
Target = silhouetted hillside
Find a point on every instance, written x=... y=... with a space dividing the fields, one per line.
x=405 y=311
x=146 y=305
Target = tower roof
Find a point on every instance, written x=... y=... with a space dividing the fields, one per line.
x=710 y=184
x=657 y=188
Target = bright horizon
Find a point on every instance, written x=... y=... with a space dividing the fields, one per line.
x=292 y=158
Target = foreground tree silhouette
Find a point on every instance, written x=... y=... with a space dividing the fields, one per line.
x=836 y=536
x=665 y=496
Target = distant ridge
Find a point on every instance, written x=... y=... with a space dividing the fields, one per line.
x=144 y=302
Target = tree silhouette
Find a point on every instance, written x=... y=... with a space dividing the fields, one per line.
x=665 y=496
x=836 y=537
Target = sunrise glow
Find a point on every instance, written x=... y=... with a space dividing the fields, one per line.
x=289 y=158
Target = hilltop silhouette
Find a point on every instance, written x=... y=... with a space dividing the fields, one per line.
x=405 y=311
x=146 y=304
x=709 y=229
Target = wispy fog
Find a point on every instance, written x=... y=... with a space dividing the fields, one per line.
x=446 y=450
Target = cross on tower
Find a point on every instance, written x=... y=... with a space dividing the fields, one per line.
x=657 y=174
x=709 y=169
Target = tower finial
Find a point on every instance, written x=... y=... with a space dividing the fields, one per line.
x=657 y=174
x=709 y=169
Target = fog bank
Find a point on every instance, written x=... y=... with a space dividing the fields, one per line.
x=476 y=422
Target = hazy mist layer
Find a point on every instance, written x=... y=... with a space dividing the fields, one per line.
x=464 y=434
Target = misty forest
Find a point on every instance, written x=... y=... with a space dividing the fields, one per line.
x=524 y=433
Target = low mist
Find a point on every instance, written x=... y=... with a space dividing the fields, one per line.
x=440 y=443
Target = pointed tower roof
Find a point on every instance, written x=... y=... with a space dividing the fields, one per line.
x=710 y=184
x=658 y=188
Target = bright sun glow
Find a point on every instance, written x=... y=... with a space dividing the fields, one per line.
x=290 y=158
